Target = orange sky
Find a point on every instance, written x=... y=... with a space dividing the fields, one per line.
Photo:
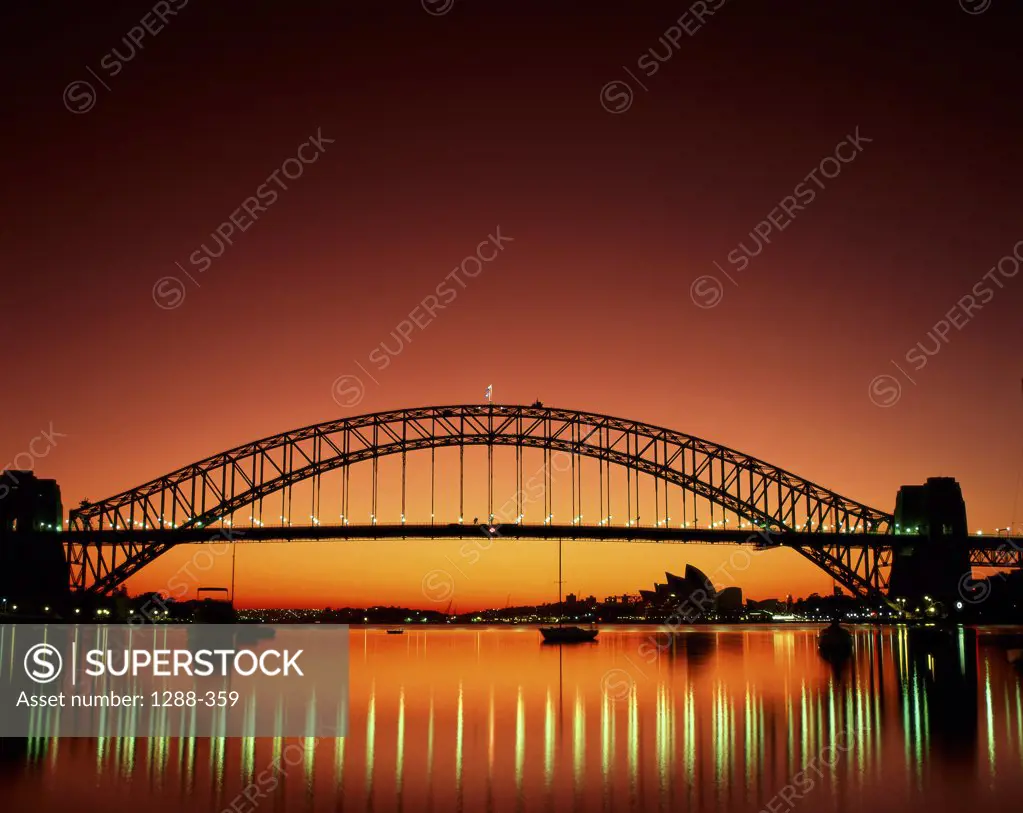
x=437 y=575
x=442 y=131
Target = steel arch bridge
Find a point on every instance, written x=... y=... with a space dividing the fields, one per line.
x=210 y=491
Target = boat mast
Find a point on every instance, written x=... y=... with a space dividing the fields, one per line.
x=560 y=600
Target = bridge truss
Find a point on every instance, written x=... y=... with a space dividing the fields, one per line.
x=747 y=491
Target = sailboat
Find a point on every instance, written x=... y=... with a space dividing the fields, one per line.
x=562 y=634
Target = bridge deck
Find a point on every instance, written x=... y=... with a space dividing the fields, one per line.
x=989 y=544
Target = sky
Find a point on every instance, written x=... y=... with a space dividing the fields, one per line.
x=773 y=231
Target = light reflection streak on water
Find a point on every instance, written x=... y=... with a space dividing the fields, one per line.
x=339 y=760
x=748 y=705
x=606 y=732
x=661 y=740
x=832 y=722
x=579 y=741
x=918 y=735
x=716 y=729
x=548 y=740
x=459 y=739
x=1019 y=724
x=691 y=745
x=399 y=769
x=905 y=721
x=762 y=742
x=925 y=742
x=855 y=732
x=248 y=758
x=371 y=726
x=818 y=730
x=730 y=716
x=429 y=740
x=309 y=761
x=520 y=740
x=804 y=738
x=1008 y=715
x=490 y=736
x=989 y=719
x=673 y=754
x=633 y=740
x=790 y=726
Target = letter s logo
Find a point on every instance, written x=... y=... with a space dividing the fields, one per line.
x=39 y=663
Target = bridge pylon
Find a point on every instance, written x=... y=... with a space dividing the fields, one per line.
x=931 y=546
x=33 y=570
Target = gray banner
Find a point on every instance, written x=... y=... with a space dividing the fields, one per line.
x=174 y=680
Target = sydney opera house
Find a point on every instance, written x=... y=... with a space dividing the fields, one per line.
x=695 y=592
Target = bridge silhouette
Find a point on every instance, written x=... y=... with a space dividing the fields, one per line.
x=641 y=482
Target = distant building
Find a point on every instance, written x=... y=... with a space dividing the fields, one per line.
x=28 y=503
x=624 y=599
x=768 y=605
x=32 y=571
x=730 y=600
x=694 y=591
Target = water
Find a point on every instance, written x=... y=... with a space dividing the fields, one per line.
x=720 y=719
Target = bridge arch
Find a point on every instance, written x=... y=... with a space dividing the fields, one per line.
x=200 y=494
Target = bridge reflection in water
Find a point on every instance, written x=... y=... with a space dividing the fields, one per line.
x=487 y=719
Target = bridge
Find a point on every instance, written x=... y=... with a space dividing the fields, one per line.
x=611 y=478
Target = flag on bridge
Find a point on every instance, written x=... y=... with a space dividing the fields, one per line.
x=489 y=395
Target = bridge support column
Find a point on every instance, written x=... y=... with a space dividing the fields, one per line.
x=32 y=571
x=931 y=546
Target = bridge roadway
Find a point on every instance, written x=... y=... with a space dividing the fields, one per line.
x=986 y=551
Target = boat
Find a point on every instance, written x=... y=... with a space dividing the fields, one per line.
x=834 y=641
x=396 y=631
x=568 y=634
x=562 y=633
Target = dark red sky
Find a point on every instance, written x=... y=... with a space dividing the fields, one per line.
x=447 y=126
